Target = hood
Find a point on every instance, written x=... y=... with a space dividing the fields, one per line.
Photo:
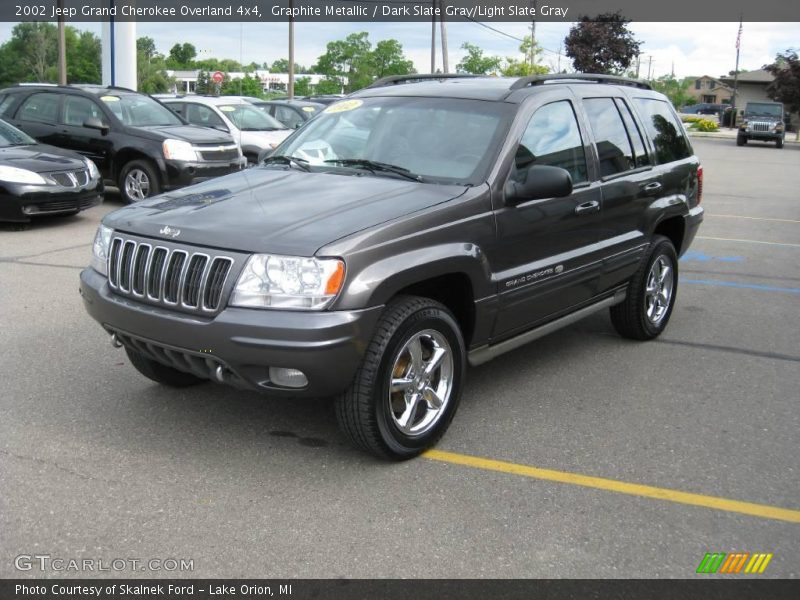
x=40 y=158
x=189 y=133
x=277 y=211
x=263 y=139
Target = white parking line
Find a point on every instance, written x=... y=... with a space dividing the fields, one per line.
x=719 y=239
x=755 y=218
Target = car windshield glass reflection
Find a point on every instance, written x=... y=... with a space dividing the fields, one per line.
x=441 y=140
x=11 y=136
x=249 y=118
x=763 y=110
x=140 y=111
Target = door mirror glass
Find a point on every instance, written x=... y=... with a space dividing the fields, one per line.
x=95 y=123
x=541 y=181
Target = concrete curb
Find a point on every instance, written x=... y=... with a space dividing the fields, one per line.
x=724 y=135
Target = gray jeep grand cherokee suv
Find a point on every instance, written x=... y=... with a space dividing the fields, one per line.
x=420 y=225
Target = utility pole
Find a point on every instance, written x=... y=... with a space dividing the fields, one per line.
x=290 y=85
x=445 y=62
x=433 y=38
x=62 y=46
x=533 y=34
x=649 y=67
x=736 y=75
x=638 y=64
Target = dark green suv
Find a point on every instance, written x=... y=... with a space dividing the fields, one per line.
x=762 y=121
x=413 y=228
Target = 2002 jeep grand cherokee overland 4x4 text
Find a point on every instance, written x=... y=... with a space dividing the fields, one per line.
x=419 y=225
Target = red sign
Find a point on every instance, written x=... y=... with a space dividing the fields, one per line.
x=217 y=77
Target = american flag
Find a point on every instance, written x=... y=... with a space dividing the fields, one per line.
x=739 y=36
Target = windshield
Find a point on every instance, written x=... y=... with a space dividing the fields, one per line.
x=140 y=111
x=447 y=140
x=249 y=118
x=763 y=110
x=11 y=136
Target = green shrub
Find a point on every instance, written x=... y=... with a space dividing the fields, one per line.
x=690 y=118
x=707 y=125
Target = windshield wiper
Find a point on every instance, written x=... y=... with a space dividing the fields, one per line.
x=372 y=165
x=302 y=163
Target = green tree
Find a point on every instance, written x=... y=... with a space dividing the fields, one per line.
x=246 y=86
x=204 y=85
x=476 y=63
x=347 y=62
x=528 y=64
x=302 y=86
x=786 y=85
x=675 y=89
x=328 y=86
x=83 y=56
x=388 y=59
x=181 y=56
x=146 y=47
x=602 y=45
x=282 y=66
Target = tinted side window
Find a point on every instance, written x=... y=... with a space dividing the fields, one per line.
x=613 y=146
x=77 y=109
x=664 y=129
x=634 y=135
x=197 y=114
x=552 y=138
x=288 y=117
x=40 y=107
x=178 y=108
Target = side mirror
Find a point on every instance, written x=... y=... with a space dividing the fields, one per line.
x=541 y=181
x=95 y=123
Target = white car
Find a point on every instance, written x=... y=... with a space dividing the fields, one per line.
x=256 y=132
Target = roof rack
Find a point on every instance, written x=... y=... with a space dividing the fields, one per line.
x=417 y=77
x=531 y=80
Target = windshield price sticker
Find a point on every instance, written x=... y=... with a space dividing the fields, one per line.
x=344 y=106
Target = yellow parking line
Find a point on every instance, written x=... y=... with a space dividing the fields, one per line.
x=719 y=239
x=620 y=487
x=753 y=218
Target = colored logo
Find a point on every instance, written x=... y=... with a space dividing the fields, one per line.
x=735 y=562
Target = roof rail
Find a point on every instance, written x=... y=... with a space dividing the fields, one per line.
x=417 y=77
x=524 y=82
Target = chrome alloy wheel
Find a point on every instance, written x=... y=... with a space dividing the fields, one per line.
x=658 y=293
x=422 y=382
x=137 y=184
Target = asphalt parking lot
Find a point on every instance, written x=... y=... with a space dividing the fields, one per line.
x=98 y=462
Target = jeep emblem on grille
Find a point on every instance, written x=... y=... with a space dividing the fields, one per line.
x=167 y=230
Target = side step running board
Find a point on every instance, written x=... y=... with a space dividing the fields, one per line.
x=486 y=353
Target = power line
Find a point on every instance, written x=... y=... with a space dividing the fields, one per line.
x=508 y=35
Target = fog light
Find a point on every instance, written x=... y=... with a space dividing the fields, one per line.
x=287 y=377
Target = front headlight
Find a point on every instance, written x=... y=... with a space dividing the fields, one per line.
x=102 y=241
x=93 y=172
x=288 y=282
x=178 y=150
x=15 y=175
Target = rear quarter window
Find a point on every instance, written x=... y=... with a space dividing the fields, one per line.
x=664 y=129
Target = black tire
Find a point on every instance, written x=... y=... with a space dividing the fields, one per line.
x=630 y=318
x=133 y=168
x=161 y=373
x=779 y=143
x=365 y=411
x=741 y=140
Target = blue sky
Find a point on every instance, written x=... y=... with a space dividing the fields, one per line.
x=693 y=48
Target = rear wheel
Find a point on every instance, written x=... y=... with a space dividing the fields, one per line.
x=647 y=307
x=407 y=389
x=138 y=180
x=741 y=140
x=161 y=373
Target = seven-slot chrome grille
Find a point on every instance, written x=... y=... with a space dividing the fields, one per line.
x=760 y=126
x=169 y=276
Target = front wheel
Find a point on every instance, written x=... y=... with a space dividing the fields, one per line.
x=138 y=180
x=779 y=143
x=647 y=307
x=407 y=389
x=741 y=140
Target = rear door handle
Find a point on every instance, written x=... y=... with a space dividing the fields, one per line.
x=587 y=207
x=652 y=187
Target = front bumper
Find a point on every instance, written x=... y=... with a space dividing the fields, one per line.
x=761 y=135
x=327 y=346
x=178 y=173
x=20 y=202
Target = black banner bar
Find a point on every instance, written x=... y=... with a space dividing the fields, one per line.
x=733 y=588
x=394 y=10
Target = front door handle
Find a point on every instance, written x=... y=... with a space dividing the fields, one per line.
x=587 y=207
x=652 y=187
